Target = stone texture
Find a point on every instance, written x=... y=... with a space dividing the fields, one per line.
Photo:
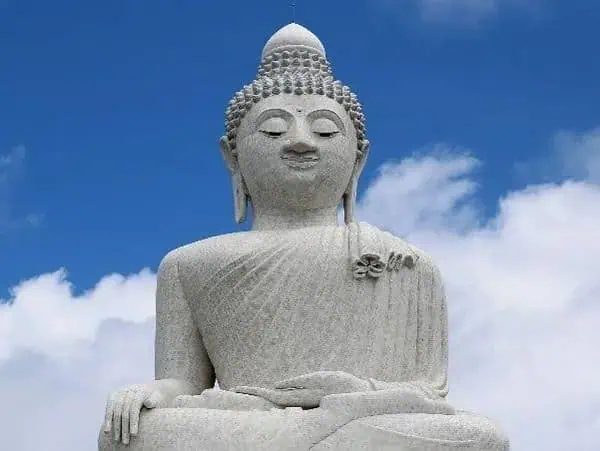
x=322 y=336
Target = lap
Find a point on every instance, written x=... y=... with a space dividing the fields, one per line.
x=201 y=429
x=417 y=432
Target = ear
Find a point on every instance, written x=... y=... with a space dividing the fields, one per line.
x=361 y=160
x=229 y=155
x=240 y=196
x=349 y=198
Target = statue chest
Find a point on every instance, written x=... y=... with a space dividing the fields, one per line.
x=293 y=304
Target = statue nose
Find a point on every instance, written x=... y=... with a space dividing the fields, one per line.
x=300 y=144
x=301 y=147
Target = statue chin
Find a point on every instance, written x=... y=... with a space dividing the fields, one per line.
x=322 y=336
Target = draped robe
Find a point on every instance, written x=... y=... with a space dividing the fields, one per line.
x=283 y=304
x=273 y=305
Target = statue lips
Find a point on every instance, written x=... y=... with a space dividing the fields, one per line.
x=300 y=160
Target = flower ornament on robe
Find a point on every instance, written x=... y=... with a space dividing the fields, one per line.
x=397 y=261
x=371 y=265
x=368 y=265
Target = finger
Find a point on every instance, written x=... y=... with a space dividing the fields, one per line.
x=255 y=391
x=117 y=412
x=439 y=407
x=273 y=396
x=294 y=382
x=134 y=413
x=125 y=417
x=286 y=398
x=317 y=379
x=302 y=397
x=183 y=401
x=108 y=416
x=152 y=401
x=330 y=381
x=307 y=398
x=178 y=402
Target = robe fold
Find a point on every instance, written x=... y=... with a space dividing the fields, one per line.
x=286 y=304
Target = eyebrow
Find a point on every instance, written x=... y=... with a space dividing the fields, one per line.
x=329 y=115
x=270 y=113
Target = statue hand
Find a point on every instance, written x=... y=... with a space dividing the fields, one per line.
x=284 y=398
x=222 y=399
x=382 y=402
x=307 y=390
x=123 y=409
x=328 y=381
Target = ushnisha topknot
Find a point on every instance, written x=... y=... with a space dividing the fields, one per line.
x=294 y=62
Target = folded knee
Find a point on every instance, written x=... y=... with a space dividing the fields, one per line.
x=459 y=429
x=481 y=430
x=105 y=441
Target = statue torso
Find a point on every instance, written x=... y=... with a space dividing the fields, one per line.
x=272 y=305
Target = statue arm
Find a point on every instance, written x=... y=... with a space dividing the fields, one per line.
x=182 y=365
x=429 y=376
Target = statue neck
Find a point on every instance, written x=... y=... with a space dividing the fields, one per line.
x=275 y=219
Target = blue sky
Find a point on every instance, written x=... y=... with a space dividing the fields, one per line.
x=119 y=105
x=484 y=122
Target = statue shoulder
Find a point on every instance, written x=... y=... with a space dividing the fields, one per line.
x=202 y=256
x=423 y=261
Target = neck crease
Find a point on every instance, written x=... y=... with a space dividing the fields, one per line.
x=273 y=219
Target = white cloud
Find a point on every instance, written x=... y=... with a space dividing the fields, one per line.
x=523 y=292
x=11 y=166
x=580 y=154
x=45 y=318
x=61 y=354
x=434 y=191
x=461 y=12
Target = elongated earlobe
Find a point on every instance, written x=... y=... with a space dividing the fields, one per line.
x=349 y=202
x=240 y=197
x=349 y=197
x=240 y=192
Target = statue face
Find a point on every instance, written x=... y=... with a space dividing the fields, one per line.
x=296 y=151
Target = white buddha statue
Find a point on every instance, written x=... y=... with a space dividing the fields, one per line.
x=323 y=336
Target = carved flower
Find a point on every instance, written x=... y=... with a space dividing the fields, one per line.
x=396 y=261
x=408 y=262
x=368 y=265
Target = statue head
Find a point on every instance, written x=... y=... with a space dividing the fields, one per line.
x=295 y=136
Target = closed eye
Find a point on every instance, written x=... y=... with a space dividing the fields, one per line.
x=273 y=134
x=327 y=134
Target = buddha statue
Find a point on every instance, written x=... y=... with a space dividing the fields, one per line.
x=322 y=334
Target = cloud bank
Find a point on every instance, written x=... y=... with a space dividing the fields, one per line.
x=523 y=289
